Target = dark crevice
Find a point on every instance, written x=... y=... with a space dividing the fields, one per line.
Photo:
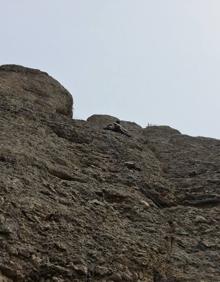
x=156 y=199
x=203 y=203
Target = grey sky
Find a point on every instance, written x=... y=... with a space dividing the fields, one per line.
x=148 y=61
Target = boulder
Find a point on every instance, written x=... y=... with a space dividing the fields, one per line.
x=31 y=89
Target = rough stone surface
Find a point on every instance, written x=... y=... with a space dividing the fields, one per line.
x=79 y=203
x=37 y=91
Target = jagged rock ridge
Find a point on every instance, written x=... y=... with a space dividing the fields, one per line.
x=80 y=203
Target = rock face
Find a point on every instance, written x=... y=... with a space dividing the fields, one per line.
x=80 y=203
x=30 y=89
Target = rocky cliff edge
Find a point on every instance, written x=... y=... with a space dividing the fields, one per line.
x=81 y=203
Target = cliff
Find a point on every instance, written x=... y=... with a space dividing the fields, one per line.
x=81 y=203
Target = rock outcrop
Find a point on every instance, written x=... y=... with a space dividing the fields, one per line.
x=30 y=89
x=80 y=203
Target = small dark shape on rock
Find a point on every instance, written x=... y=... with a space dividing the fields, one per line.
x=132 y=165
x=117 y=127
